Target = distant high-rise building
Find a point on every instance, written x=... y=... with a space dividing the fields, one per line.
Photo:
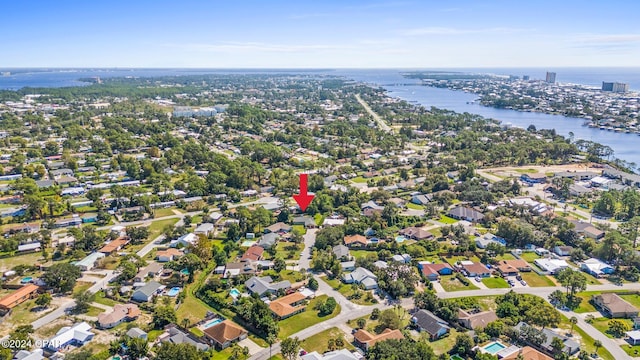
x=525 y=77
x=551 y=77
x=615 y=87
x=514 y=77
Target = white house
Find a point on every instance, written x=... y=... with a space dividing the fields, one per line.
x=77 y=335
x=204 y=229
x=551 y=265
x=89 y=262
x=184 y=240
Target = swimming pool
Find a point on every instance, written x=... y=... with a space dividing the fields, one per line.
x=184 y=272
x=26 y=279
x=211 y=323
x=173 y=291
x=494 y=347
x=400 y=239
x=455 y=357
x=234 y=292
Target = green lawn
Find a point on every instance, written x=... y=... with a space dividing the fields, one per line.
x=535 y=280
x=164 y=212
x=443 y=345
x=450 y=283
x=319 y=219
x=358 y=254
x=413 y=206
x=347 y=291
x=82 y=286
x=156 y=227
x=633 y=299
x=305 y=319
x=505 y=256
x=585 y=340
x=447 y=220
x=633 y=351
x=153 y=334
x=319 y=342
x=300 y=229
x=453 y=259
x=529 y=256
x=602 y=324
x=101 y=299
x=526 y=171
x=93 y=311
x=585 y=306
x=287 y=250
x=223 y=354
x=495 y=283
x=359 y=179
x=9 y=263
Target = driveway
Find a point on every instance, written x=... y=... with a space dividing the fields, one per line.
x=305 y=256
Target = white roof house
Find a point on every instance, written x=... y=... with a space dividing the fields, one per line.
x=596 y=267
x=204 y=228
x=90 y=261
x=333 y=222
x=184 y=240
x=551 y=265
x=76 y=335
x=37 y=354
x=332 y=355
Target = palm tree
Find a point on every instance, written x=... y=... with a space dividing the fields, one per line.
x=271 y=339
x=573 y=321
x=597 y=344
x=185 y=323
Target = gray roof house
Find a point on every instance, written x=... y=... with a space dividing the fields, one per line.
x=268 y=240
x=433 y=325
x=265 y=285
x=137 y=333
x=146 y=292
x=341 y=251
x=177 y=336
x=361 y=276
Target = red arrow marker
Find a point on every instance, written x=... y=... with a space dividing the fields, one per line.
x=303 y=199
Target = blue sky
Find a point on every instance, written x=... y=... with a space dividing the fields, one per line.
x=301 y=33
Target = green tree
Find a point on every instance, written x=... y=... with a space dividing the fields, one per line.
x=464 y=344
x=61 y=277
x=313 y=284
x=44 y=300
x=617 y=328
x=171 y=351
x=290 y=347
x=163 y=315
x=21 y=336
x=573 y=320
x=83 y=301
x=597 y=344
x=389 y=319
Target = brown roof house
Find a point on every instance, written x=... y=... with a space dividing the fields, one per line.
x=528 y=353
x=365 y=340
x=120 y=314
x=355 y=241
x=614 y=306
x=473 y=320
x=512 y=267
x=18 y=297
x=223 y=334
x=288 y=305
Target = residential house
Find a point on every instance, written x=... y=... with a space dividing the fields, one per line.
x=633 y=337
x=369 y=208
x=225 y=333
x=420 y=199
x=483 y=241
x=365 y=340
x=403 y=259
x=137 y=333
x=120 y=313
x=29 y=247
x=473 y=320
x=354 y=241
x=473 y=269
x=465 y=213
x=512 y=267
x=37 y=354
x=416 y=233
x=114 y=245
x=76 y=335
x=535 y=178
x=169 y=254
x=253 y=253
x=184 y=240
x=306 y=221
x=278 y=227
x=425 y=321
x=433 y=271
x=587 y=230
x=614 y=306
x=204 y=229
x=174 y=335
x=596 y=267
x=147 y=292
x=17 y=297
x=268 y=240
x=333 y=221
x=361 y=276
x=563 y=250
x=152 y=270
x=89 y=262
x=288 y=305
x=342 y=354
x=265 y=285
x=551 y=265
x=570 y=346
x=348 y=266
x=341 y=252
x=527 y=353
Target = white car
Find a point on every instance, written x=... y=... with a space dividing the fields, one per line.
x=524 y=283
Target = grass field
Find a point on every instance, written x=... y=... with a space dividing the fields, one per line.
x=535 y=280
x=453 y=259
x=602 y=324
x=347 y=291
x=633 y=351
x=450 y=283
x=633 y=299
x=101 y=299
x=305 y=319
x=156 y=227
x=300 y=229
x=319 y=342
x=447 y=220
x=505 y=256
x=529 y=256
x=443 y=345
x=413 y=206
x=495 y=283
x=81 y=286
x=9 y=263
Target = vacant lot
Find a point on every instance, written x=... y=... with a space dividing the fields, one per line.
x=535 y=280
x=450 y=283
x=319 y=342
x=495 y=283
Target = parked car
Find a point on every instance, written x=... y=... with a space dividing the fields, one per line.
x=519 y=277
x=524 y=283
x=478 y=279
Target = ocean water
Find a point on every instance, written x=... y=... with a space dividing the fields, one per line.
x=625 y=146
